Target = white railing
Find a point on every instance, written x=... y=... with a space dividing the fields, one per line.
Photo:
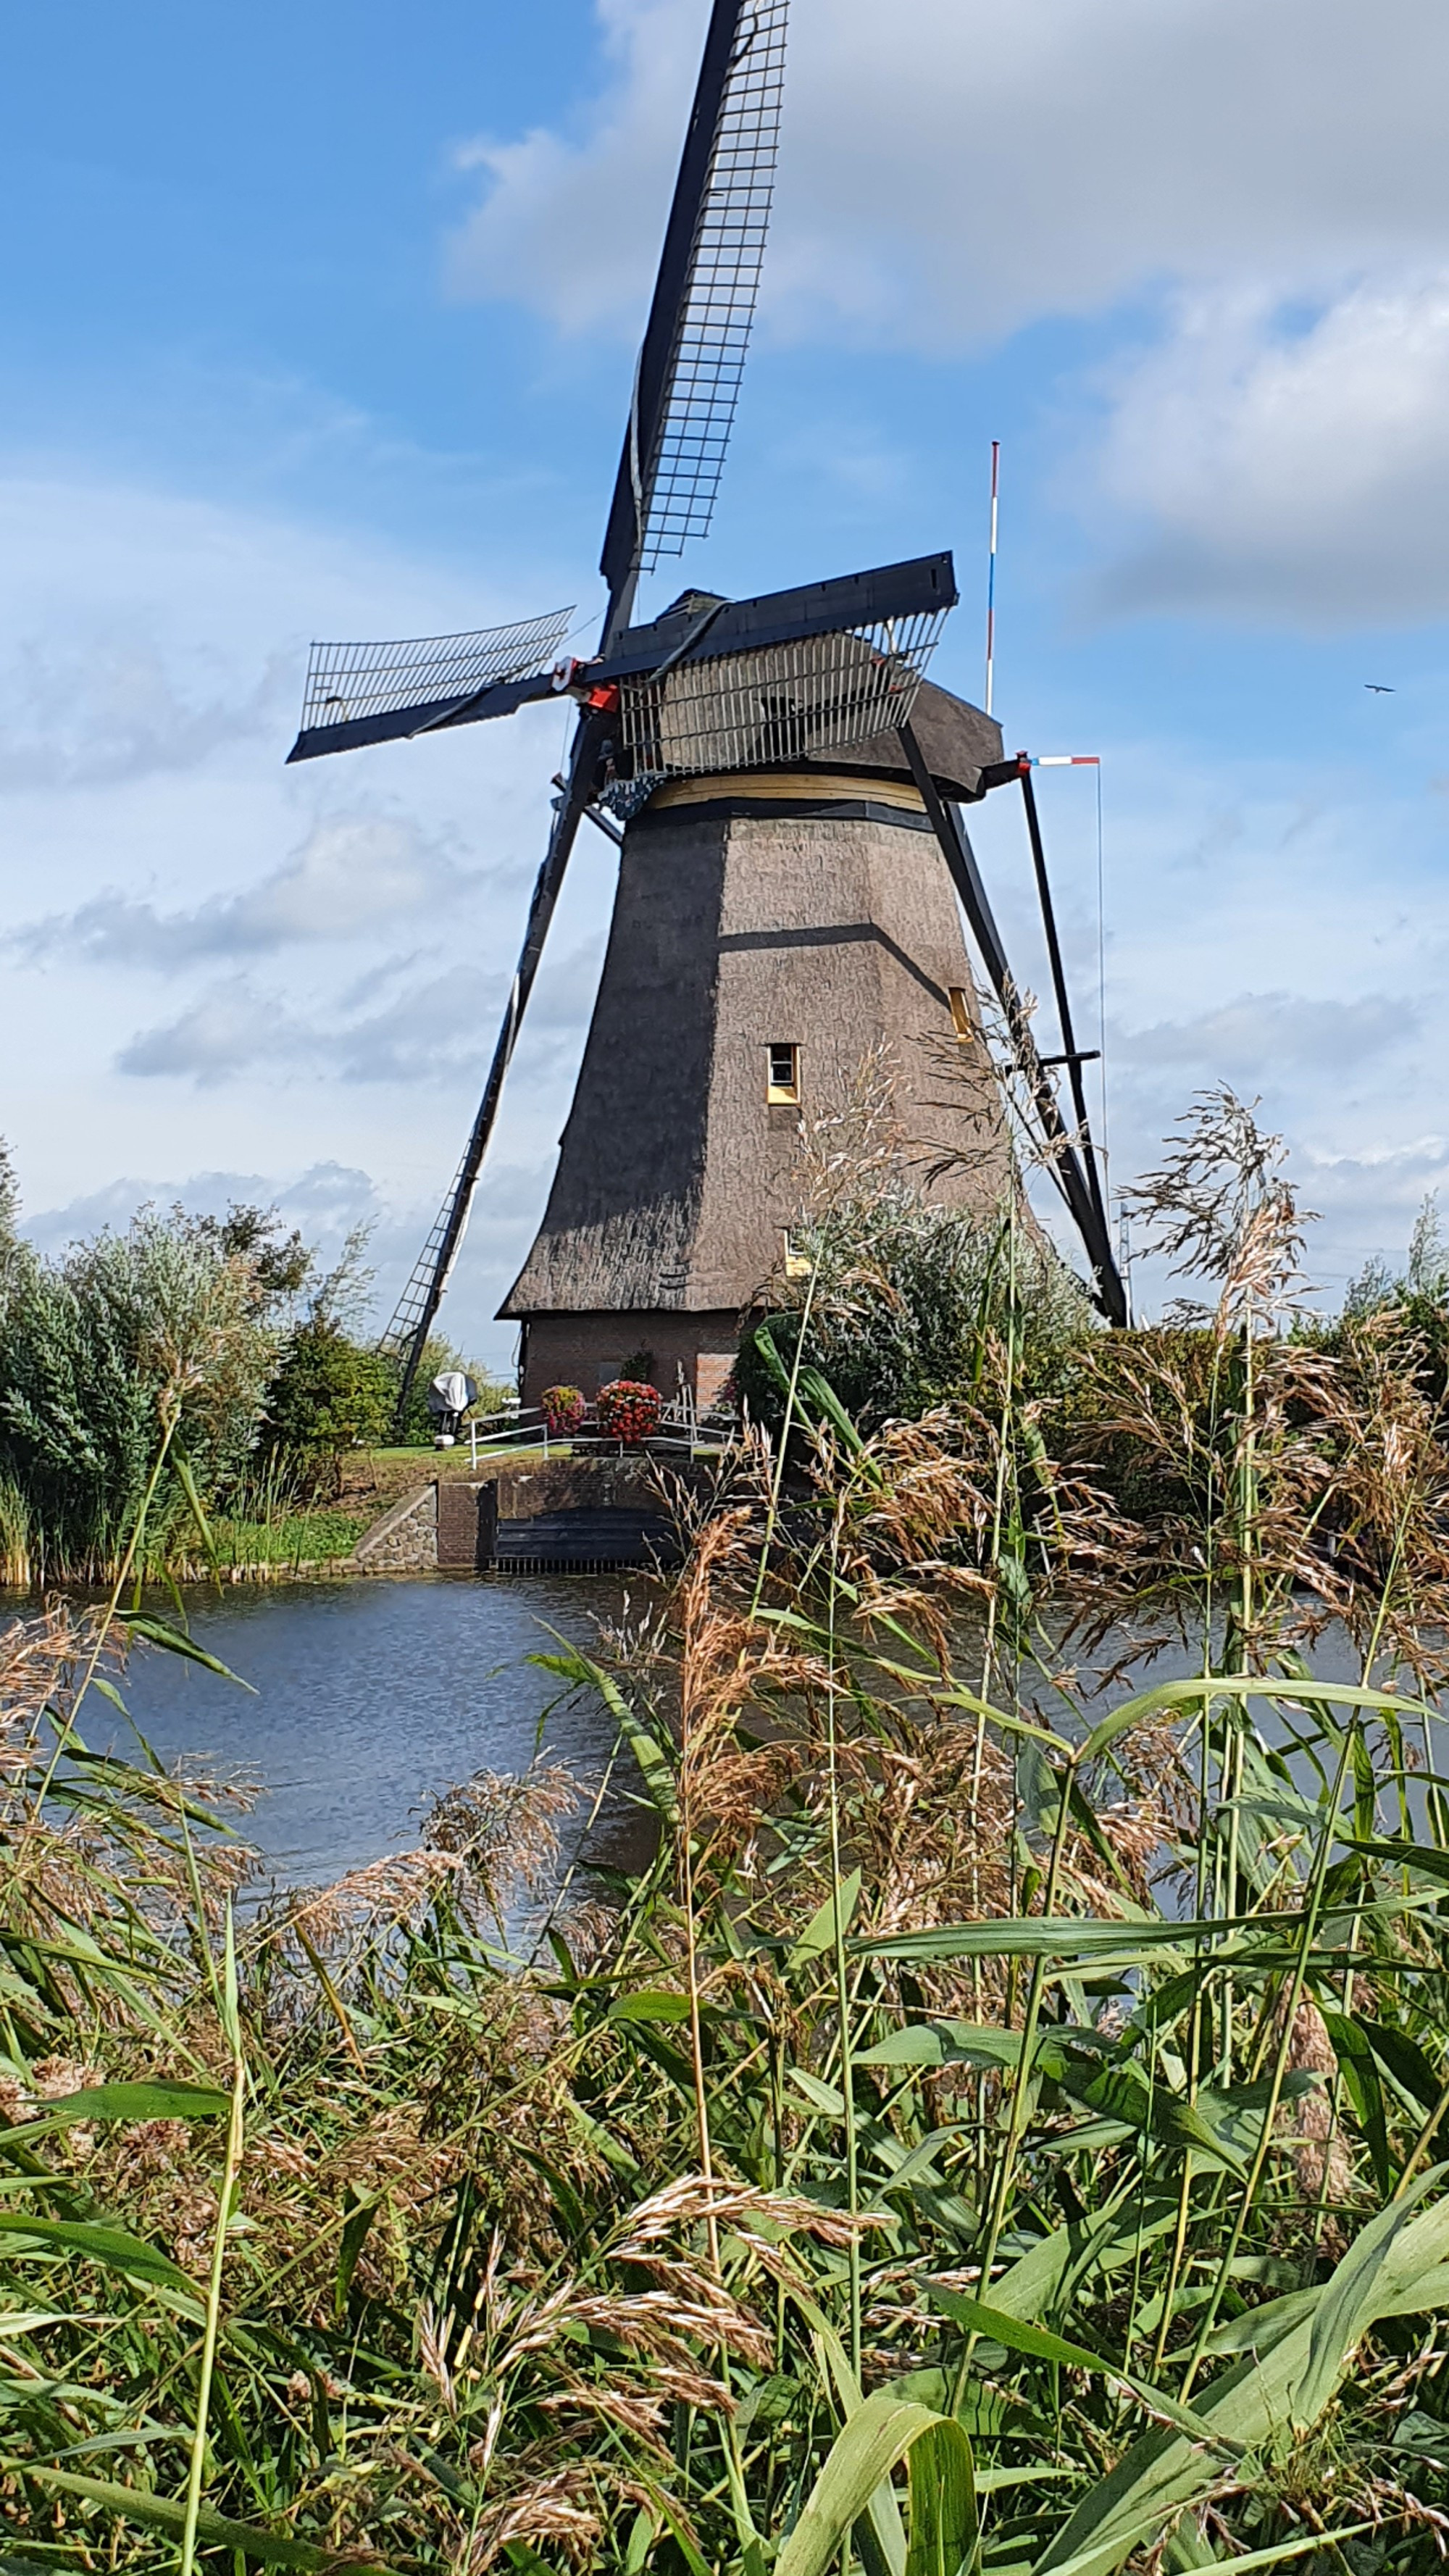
x=515 y=1426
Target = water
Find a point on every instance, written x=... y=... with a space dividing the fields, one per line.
x=369 y=1698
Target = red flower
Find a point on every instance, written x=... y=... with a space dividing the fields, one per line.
x=629 y=1410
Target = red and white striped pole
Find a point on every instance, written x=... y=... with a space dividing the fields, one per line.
x=991 y=575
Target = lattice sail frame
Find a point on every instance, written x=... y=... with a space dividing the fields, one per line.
x=718 y=309
x=766 y=709
x=346 y=682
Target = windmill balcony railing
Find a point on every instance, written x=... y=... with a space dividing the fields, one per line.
x=683 y=1428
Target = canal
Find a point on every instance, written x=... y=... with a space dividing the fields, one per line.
x=365 y=1700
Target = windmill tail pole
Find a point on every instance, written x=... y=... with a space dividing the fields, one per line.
x=1072 y=1057
x=571 y=809
x=1062 y=1160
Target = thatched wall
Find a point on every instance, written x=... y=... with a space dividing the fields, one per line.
x=676 y=1179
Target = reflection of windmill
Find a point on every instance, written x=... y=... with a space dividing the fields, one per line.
x=778 y=766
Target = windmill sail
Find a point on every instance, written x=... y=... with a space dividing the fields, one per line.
x=358 y=693
x=693 y=355
x=786 y=702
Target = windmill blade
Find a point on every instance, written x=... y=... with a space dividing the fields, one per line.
x=702 y=628
x=693 y=353
x=413 y=1318
x=360 y=693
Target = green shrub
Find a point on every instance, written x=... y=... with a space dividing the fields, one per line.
x=910 y=1305
x=329 y=1395
x=95 y=1352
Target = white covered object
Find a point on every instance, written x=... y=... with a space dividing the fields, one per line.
x=451 y=1392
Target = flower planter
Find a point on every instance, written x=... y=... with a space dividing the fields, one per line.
x=564 y=1408
x=628 y=1411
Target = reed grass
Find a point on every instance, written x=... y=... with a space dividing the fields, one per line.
x=1003 y=2127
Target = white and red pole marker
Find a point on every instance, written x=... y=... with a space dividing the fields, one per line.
x=991 y=574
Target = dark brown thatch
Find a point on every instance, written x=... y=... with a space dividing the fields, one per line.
x=756 y=910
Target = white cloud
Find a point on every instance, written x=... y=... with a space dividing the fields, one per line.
x=114 y=711
x=224 y=1033
x=941 y=181
x=432 y=1028
x=1254 y=193
x=326 y=1201
x=1257 y=1036
x=1368 y=1201
x=537 y=236
x=353 y=872
x=1292 y=465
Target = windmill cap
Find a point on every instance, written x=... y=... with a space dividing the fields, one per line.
x=957 y=742
x=692 y=603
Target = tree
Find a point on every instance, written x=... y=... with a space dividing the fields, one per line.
x=280 y=1264
x=98 y=1354
x=329 y=1395
x=9 y=1201
x=1416 y=1298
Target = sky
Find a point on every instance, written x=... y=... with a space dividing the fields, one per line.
x=321 y=322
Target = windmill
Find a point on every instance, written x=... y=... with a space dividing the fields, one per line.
x=773 y=771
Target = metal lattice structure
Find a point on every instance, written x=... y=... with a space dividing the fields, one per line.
x=346 y=682
x=416 y=1305
x=782 y=704
x=712 y=334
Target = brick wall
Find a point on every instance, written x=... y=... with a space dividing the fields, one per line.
x=467 y=1518
x=587 y=1350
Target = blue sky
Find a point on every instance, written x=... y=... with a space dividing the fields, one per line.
x=321 y=321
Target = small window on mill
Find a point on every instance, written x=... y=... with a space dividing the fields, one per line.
x=783 y=1083
x=961 y=1015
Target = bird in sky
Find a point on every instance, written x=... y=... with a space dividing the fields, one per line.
x=1381 y=688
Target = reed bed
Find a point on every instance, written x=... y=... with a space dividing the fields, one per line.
x=1004 y=2126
